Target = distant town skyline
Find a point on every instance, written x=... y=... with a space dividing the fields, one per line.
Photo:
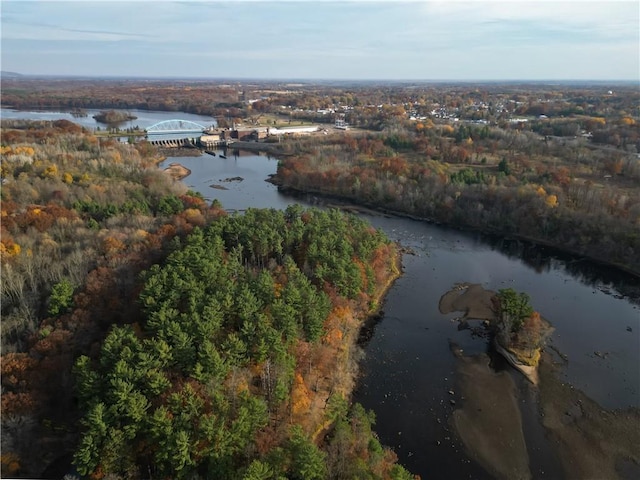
x=315 y=39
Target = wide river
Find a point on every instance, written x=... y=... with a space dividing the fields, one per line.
x=409 y=369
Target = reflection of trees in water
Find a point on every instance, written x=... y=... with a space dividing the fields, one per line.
x=542 y=259
x=368 y=329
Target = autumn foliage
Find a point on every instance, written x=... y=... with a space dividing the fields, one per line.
x=72 y=216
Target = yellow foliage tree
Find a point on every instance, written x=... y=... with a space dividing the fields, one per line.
x=51 y=171
x=194 y=216
x=300 y=396
x=447 y=130
x=29 y=151
x=112 y=245
x=140 y=235
x=552 y=201
x=10 y=250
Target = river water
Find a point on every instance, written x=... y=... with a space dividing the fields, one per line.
x=408 y=369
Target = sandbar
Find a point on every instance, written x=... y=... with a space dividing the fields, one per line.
x=177 y=171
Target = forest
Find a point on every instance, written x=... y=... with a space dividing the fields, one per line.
x=246 y=325
x=510 y=182
x=147 y=333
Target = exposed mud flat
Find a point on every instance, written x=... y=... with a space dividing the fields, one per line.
x=472 y=299
x=592 y=443
x=489 y=422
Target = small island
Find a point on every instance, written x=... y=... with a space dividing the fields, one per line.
x=177 y=171
x=519 y=333
x=112 y=117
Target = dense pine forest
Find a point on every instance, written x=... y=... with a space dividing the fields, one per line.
x=146 y=333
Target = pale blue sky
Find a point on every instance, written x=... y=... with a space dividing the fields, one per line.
x=314 y=39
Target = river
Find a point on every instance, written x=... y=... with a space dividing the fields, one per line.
x=409 y=370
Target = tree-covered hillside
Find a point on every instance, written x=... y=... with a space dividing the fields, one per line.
x=211 y=381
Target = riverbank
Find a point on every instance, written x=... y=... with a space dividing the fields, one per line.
x=346 y=351
x=561 y=249
x=270 y=148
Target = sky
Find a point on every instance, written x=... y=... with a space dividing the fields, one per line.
x=316 y=39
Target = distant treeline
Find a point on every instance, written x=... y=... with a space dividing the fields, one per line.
x=535 y=197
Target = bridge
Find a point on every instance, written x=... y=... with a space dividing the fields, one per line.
x=172 y=127
x=177 y=133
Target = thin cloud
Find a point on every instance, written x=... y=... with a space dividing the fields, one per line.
x=90 y=32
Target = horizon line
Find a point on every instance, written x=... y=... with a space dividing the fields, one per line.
x=18 y=75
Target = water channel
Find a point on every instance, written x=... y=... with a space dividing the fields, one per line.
x=409 y=369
